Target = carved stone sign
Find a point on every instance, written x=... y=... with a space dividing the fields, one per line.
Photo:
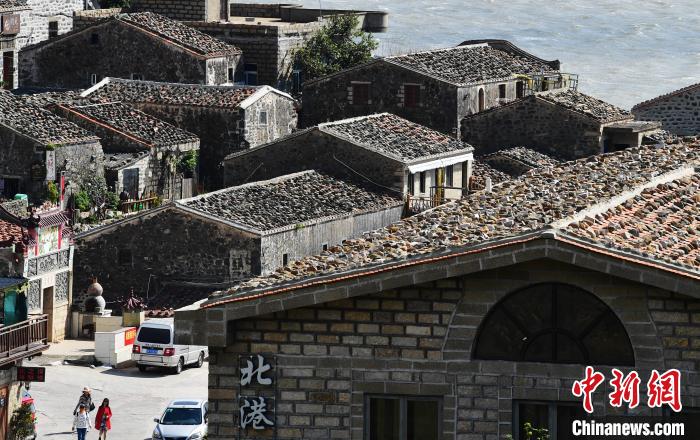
x=256 y=402
x=34 y=296
x=48 y=263
x=61 y=288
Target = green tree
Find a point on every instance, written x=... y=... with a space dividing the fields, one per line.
x=22 y=423
x=338 y=45
x=188 y=163
x=82 y=201
x=52 y=192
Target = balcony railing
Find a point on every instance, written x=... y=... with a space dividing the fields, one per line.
x=138 y=205
x=24 y=339
x=437 y=197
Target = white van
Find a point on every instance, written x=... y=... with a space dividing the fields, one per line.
x=154 y=347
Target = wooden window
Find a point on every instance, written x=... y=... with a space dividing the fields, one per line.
x=411 y=184
x=501 y=91
x=262 y=118
x=250 y=74
x=360 y=93
x=482 y=100
x=93 y=79
x=94 y=38
x=285 y=259
x=53 y=29
x=449 y=175
x=124 y=257
x=411 y=95
x=519 y=89
x=421 y=183
x=402 y=418
x=324 y=247
x=555 y=417
x=231 y=74
x=137 y=76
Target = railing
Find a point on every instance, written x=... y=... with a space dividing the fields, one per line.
x=23 y=339
x=137 y=205
x=437 y=197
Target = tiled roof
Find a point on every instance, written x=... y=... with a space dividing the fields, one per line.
x=587 y=105
x=127 y=120
x=470 y=64
x=10 y=233
x=288 y=201
x=525 y=158
x=543 y=200
x=121 y=160
x=175 y=296
x=179 y=33
x=663 y=222
x=39 y=124
x=10 y=282
x=395 y=137
x=149 y=92
x=649 y=102
x=13 y=4
x=481 y=170
x=46 y=99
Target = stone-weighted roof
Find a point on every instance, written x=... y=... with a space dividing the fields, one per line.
x=288 y=201
x=470 y=64
x=39 y=124
x=396 y=137
x=127 y=120
x=179 y=33
x=10 y=233
x=481 y=170
x=587 y=105
x=120 y=160
x=555 y=199
x=13 y=4
x=529 y=157
x=46 y=99
x=149 y=92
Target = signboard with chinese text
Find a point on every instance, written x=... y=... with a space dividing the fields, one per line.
x=31 y=374
x=50 y=165
x=10 y=24
x=129 y=336
x=257 y=397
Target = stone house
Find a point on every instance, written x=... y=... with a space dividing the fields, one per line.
x=565 y=125
x=38 y=247
x=26 y=22
x=517 y=161
x=226 y=119
x=471 y=319
x=36 y=146
x=678 y=111
x=268 y=34
x=419 y=164
x=128 y=46
x=435 y=88
x=126 y=134
x=217 y=238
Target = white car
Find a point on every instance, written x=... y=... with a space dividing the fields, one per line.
x=183 y=419
x=154 y=347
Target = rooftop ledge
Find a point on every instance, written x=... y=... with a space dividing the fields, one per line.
x=280 y=15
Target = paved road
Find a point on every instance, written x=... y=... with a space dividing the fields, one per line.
x=135 y=398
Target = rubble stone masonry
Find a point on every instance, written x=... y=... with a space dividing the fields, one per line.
x=679 y=113
x=418 y=340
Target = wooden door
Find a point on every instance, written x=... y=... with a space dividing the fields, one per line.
x=4 y=396
x=8 y=70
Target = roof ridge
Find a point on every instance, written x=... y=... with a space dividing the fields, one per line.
x=666 y=95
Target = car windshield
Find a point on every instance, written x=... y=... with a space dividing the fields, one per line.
x=154 y=335
x=182 y=416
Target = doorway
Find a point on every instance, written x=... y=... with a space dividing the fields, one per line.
x=8 y=70
x=47 y=309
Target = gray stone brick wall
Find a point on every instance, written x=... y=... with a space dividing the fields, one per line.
x=418 y=340
x=678 y=114
x=539 y=125
x=175 y=9
x=280 y=116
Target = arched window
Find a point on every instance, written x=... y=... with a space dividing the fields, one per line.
x=553 y=323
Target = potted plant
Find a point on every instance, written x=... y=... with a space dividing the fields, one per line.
x=133 y=310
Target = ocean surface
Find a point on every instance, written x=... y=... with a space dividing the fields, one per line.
x=625 y=51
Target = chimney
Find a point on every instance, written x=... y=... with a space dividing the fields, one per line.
x=488 y=185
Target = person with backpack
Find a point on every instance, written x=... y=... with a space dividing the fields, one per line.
x=81 y=422
x=103 y=419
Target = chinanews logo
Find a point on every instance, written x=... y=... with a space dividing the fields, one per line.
x=662 y=395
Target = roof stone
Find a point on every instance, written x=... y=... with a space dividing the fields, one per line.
x=540 y=200
x=588 y=105
x=37 y=123
x=150 y=92
x=289 y=200
x=394 y=136
x=470 y=64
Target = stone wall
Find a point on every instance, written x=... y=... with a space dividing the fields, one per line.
x=281 y=118
x=175 y=9
x=418 y=340
x=118 y=51
x=542 y=126
x=329 y=99
x=35 y=23
x=83 y=19
x=313 y=150
x=168 y=244
x=678 y=114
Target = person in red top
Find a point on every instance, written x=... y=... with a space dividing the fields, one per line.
x=103 y=419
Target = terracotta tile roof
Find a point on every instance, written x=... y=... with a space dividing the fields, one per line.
x=39 y=124
x=518 y=160
x=545 y=199
x=395 y=137
x=10 y=233
x=678 y=92
x=288 y=201
x=46 y=99
x=481 y=170
x=587 y=105
x=470 y=64
x=179 y=33
x=127 y=120
x=149 y=92
x=118 y=161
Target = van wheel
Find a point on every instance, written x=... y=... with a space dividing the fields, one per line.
x=142 y=368
x=200 y=360
x=178 y=369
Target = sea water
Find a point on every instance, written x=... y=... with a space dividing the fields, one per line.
x=625 y=51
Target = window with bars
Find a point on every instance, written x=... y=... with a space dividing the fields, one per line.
x=501 y=91
x=449 y=175
x=555 y=417
x=402 y=417
x=53 y=29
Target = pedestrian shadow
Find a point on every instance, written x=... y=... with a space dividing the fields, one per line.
x=49 y=434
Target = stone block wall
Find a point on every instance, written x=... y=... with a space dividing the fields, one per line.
x=281 y=119
x=542 y=126
x=328 y=99
x=313 y=150
x=175 y=9
x=418 y=340
x=167 y=244
x=678 y=114
x=117 y=50
x=35 y=23
x=83 y=19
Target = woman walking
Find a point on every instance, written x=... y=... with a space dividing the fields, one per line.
x=102 y=420
x=81 y=423
x=86 y=400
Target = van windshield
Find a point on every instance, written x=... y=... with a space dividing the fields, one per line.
x=154 y=335
x=182 y=416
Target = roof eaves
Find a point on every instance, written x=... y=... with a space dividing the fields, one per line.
x=344 y=71
x=269 y=144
